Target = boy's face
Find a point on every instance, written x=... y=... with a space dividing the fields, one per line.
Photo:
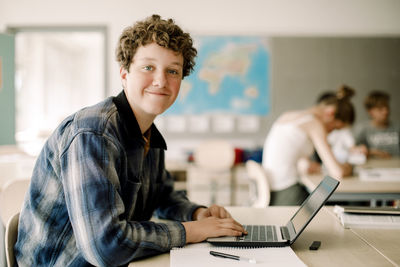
x=153 y=81
x=379 y=114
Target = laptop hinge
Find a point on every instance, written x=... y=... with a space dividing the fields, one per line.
x=285 y=233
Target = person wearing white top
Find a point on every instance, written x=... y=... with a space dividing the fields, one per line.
x=295 y=135
x=342 y=141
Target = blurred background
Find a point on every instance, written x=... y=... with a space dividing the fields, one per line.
x=58 y=56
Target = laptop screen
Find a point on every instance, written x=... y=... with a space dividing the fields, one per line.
x=313 y=203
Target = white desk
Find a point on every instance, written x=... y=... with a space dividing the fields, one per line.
x=353 y=189
x=340 y=247
x=378 y=238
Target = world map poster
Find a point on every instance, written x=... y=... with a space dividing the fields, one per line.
x=231 y=76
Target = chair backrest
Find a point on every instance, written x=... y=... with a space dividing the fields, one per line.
x=11 y=238
x=214 y=155
x=12 y=196
x=256 y=173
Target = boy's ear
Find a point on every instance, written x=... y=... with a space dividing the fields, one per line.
x=122 y=73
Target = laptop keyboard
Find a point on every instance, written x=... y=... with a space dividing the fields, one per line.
x=259 y=233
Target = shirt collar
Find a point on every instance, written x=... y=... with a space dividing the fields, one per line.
x=131 y=124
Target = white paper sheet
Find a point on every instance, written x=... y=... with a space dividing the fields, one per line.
x=248 y=124
x=198 y=255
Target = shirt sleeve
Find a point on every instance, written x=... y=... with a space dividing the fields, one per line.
x=360 y=135
x=95 y=207
x=174 y=205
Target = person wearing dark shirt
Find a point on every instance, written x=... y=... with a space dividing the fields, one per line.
x=101 y=176
x=380 y=136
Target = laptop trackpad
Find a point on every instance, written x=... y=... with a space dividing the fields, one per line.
x=223 y=239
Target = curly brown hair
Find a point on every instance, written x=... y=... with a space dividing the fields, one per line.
x=163 y=32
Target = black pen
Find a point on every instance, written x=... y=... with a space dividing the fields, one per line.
x=232 y=257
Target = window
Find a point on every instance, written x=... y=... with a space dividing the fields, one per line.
x=58 y=71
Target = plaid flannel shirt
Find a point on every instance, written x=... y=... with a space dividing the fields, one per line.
x=93 y=191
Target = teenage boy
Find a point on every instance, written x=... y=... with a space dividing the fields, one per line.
x=379 y=135
x=101 y=175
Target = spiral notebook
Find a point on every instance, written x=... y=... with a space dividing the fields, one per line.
x=198 y=255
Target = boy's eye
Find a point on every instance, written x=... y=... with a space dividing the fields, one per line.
x=148 y=68
x=174 y=72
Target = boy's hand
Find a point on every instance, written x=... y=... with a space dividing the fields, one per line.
x=198 y=231
x=212 y=211
x=212 y=222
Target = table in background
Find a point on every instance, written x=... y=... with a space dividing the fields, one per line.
x=353 y=189
x=339 y=246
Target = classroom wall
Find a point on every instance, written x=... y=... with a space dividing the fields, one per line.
x=304 y=67
x=284 y=18
x=270 y=17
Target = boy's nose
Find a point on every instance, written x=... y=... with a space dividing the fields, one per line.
x=159 y=79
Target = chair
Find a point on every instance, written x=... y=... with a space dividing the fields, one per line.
x=11 y=238
x=211 y=173
x=12 y=196
x=259 y=186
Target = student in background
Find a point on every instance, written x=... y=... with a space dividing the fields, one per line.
x=294 y=135
x=342 y=142
x=101 y=175
x=379 y=135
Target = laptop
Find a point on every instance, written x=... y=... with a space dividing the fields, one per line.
x=280 y=236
